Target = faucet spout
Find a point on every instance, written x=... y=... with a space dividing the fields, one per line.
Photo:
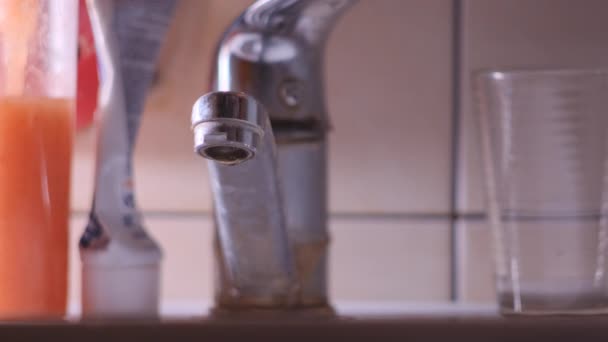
x=257 y=269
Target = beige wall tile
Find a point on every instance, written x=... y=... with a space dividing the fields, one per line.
x=83 y=169
x=521 y=33
x=77 y=225
x=389 y=260
x=388 y=65
x=388 y=84
x=475 y=265
x=385 y=260
x=188 y=256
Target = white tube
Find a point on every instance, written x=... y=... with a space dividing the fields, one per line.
x=120 y=261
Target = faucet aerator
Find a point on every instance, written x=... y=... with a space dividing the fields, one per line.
x=229 y=155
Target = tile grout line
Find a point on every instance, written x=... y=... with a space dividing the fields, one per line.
x=389 y=216
x=455 y=144
x=371 y=216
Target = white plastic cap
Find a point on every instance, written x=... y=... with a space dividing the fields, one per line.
x=120 y=291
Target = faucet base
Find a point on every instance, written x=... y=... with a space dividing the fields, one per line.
x=322 y=312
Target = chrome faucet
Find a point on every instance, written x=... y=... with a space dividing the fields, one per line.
x=263 y=130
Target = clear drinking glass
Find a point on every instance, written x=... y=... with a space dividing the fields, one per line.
x=543 y=137
x=37 y=92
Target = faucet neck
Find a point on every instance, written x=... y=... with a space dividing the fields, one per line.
x=306 y=19
x=274 y=52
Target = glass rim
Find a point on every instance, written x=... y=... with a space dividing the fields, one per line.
x=499 y=73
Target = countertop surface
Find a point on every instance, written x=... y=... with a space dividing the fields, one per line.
x=355 y=322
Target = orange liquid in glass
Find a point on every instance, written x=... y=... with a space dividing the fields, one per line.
x=35 y=156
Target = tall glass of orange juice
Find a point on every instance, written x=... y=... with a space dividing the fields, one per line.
x=37 y=88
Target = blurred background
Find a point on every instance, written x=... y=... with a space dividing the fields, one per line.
x=405 y=189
